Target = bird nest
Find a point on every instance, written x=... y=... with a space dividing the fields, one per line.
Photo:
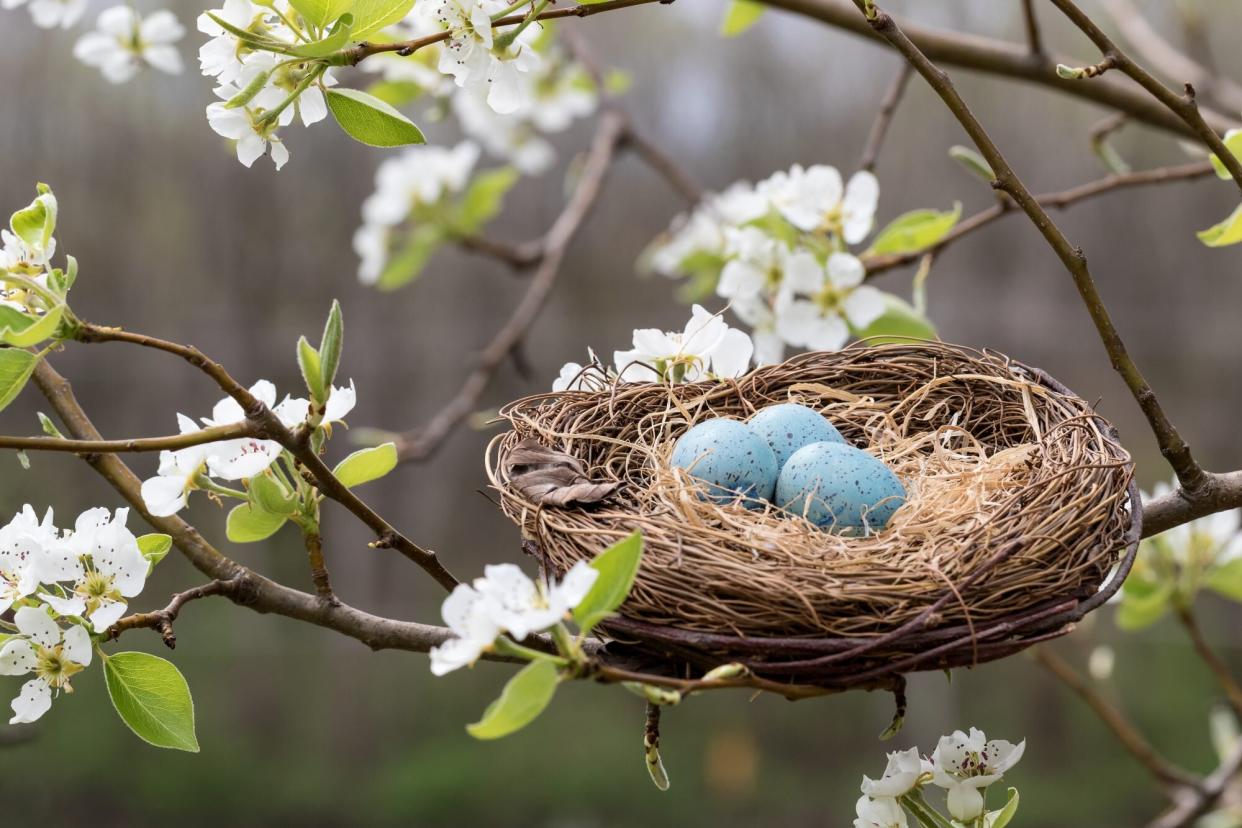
x=1020 y=503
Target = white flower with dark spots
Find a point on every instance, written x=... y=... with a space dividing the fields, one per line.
x=707 y=347
x=902 y=775
x=837 y=301
x=879 y=812
x=112 y=569
x=167 y=492
x=53 y=654
x=966 y=764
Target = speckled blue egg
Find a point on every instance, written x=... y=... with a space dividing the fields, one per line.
x=789 y=426
x=839 y=487
x=731 y=459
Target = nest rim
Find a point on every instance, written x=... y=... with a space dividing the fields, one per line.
x=839 y=662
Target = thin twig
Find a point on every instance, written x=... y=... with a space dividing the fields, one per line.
x=426 y=441
x=1168 y=774
x=162 y=620
x=1197 y=802
x=1184 y=106
x=318 y=568
x=1224 y=677
x=888 y=108
x=145 y=444
x=1172 y=446
x=1034 y=41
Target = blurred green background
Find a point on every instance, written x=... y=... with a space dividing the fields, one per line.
x=300 y=725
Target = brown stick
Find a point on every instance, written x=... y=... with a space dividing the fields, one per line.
x=1034 y=41
x=1174 y=449
x=888 y=108
x=136 y=446
x=1164 y=771
x=1233 y=692
x=162 y=620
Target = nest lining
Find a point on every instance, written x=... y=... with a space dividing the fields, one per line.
x=1018 y=498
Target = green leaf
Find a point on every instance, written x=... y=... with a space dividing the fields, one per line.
x=1226 y=579
x=520 y=703
x=320 y=13
x=372 y=15
x=246 y=95
x=36 y=223
x=484 y=198
x=249 y=38
x=22 y=330
x=247 y=524
x=49 y=427
x=370 y=121
x=312 y=371
x=898 y=322
x=1141 y=608
x=152 y=697
x=1233 y=143
x=330 y=346
x=1001 y=818
x=974 y=163
x=915 y=230
x=617 y=566
x=655 y=766
x=740 y=16
x=1110 y=158
x=409 y=263
x=270 y=496
x=1227 y=232
x=154 y=547
x=16 y=366
x=341 y=34
x=366 y=465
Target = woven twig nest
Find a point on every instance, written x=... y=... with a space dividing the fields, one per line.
x=1020 y=503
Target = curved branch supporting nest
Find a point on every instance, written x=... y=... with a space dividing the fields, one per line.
x=1020 y=503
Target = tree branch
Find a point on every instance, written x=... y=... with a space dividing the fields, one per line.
x=1186 y=616
x=1034 y=41
x=1008 y=60
x=1219 y=493
x=888 y=108
x=1184 y=106
x=136 y=446
x=1168 y=774
x=162 y=620
x=424 y=442
x=1195 y=803
x=1174 y=449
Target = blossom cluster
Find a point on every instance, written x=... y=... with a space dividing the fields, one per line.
x=965 y=765
x=62 y=586
x=198 y=467
x=779 y=251
x=505 y=601
x=705 y=348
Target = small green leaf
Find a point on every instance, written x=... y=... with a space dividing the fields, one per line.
x=312 y=370
x=740 y=16
x=247 y=524
x=370 y=121
x=23 y=460
x=372 y=15
x=249 y=38
x=247 y=94
x=973 y=162
x=36 y=223
x=1140 y=607
x=1001 y=818
x=152 y=697
x=409 y=263
x=1233 y=143
x=366 y=465
x=1110 y=158
x=1227 y=232
x=1226 y=579
x=16 y=366
x=320 y=13
x=655 y=766
x=520 y=703
x=898 y=322
x=484 y=198
x=23 y=330
x=341 y=34
x=270 y=496
x=154 y=547
x=49 y=427
x=915 y=230
x=330 y=345
x=617 y=566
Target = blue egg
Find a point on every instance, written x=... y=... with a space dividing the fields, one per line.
x=788 y=427
x=731 y=459
x=839 y=487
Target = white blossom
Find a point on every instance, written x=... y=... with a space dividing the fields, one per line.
x=471 y=616
x=110 y=569
x=813 y=199
x=901 y=775
x=879 y=812
x=123 y=42
x=419 y=176
x=167 y=492
x=521 y=607
x=53 y=654
x=254 y=138
x=29 y=550
x=706 y=347
x=472 y=56
x=48 y=14
x=221 y=56
x=964 y=764
x=837 y=300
